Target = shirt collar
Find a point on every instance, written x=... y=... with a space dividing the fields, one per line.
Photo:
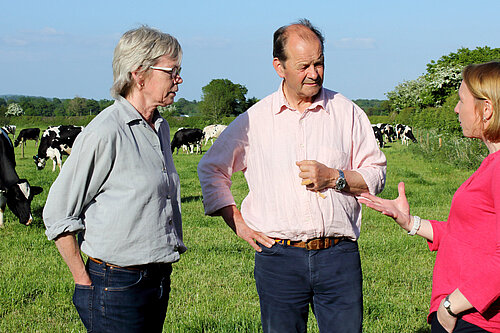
x=319 y=102
x=131 y=114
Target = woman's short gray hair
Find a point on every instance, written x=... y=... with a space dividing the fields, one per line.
x=137 y=50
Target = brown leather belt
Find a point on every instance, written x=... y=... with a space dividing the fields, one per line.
x=312 y=244
x=132 y=268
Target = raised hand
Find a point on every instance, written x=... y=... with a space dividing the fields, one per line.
x=398 y=208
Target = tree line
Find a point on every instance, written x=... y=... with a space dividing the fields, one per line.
x=426 y=102
x=221 y=99
x=50 y=107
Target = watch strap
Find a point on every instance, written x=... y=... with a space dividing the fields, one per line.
x=447 y=306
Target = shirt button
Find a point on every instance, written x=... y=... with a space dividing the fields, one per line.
x=170 y=222
x=169 y=196
x=176 y=248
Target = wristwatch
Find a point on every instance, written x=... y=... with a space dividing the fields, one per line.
x=340 y=183
x=447 y=306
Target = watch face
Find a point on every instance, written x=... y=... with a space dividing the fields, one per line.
x=340 y=184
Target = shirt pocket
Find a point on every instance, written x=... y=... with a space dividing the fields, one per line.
x=333 y=158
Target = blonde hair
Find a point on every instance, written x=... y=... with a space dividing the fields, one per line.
x=483 y=81
x=137 y=50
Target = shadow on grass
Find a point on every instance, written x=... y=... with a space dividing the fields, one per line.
x=37 y=218
x=191 y=198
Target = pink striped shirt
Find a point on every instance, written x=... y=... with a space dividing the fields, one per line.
x=267 y=140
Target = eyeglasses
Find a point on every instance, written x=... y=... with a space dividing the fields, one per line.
x=172 y=71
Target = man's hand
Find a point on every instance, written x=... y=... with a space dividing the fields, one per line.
x=235 y=221
x=316 y=176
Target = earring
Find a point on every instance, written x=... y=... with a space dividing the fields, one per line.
x=484 y=119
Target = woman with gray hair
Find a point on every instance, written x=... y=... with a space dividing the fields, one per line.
x=120 y=193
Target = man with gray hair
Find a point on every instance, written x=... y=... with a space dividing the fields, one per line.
x=306 y=152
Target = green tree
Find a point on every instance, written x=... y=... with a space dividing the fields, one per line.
x=92 y=107
x=104 y=103
x=59 y=109
x=185 y=107
x=250 y=102
x=221 y=98
x=77 y=107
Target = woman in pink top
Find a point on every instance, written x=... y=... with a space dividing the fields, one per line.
x=466 y=279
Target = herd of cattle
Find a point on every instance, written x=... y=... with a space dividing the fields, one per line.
x=58 y=140
x=388 y=133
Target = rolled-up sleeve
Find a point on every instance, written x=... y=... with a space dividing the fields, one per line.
x=80 y=180
x=224 y=158
x=367 y=158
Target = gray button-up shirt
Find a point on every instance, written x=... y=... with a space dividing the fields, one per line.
x=120 y=188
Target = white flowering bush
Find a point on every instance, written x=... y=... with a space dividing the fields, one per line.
x=441 y=80
x=407 y=94
x=14 y=109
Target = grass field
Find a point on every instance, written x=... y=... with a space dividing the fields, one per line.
x=212 y=286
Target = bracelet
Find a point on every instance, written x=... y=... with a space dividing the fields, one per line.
x=416 y=226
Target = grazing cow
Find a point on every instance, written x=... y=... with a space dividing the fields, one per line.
x=25 y=135
x=188 y=137
x=14 y=192
x=10 y=129
x=28 y=134
x=56 y=141
x=387 y=132
x=212 y=132
x=378 y=135
x=405 y=133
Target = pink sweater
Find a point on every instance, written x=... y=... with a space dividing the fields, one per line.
x=468 y=246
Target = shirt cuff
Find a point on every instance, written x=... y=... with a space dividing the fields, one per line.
x=69 y=224
x=373 y=181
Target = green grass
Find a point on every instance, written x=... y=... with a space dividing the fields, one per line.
x=213 y=288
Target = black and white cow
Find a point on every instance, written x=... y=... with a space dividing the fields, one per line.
x=189 y=137
x=378 y=135
x=28 y=134
x=56 y=141
x=387 y=132
x=14 y=192
x=212 y=132
x=10 y=129
x=25 y=135
x=405 y=133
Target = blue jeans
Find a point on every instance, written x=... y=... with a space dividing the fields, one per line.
x=288 y=279
x=123 y=300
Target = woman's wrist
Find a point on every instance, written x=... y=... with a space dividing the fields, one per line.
x=415 y=222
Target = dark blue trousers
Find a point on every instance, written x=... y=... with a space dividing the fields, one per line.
x=123 y=300
x=461 y=327
x=289 y=279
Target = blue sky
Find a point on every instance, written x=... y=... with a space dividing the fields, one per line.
x=64 y=48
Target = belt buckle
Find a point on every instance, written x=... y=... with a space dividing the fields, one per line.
x=317 y=244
